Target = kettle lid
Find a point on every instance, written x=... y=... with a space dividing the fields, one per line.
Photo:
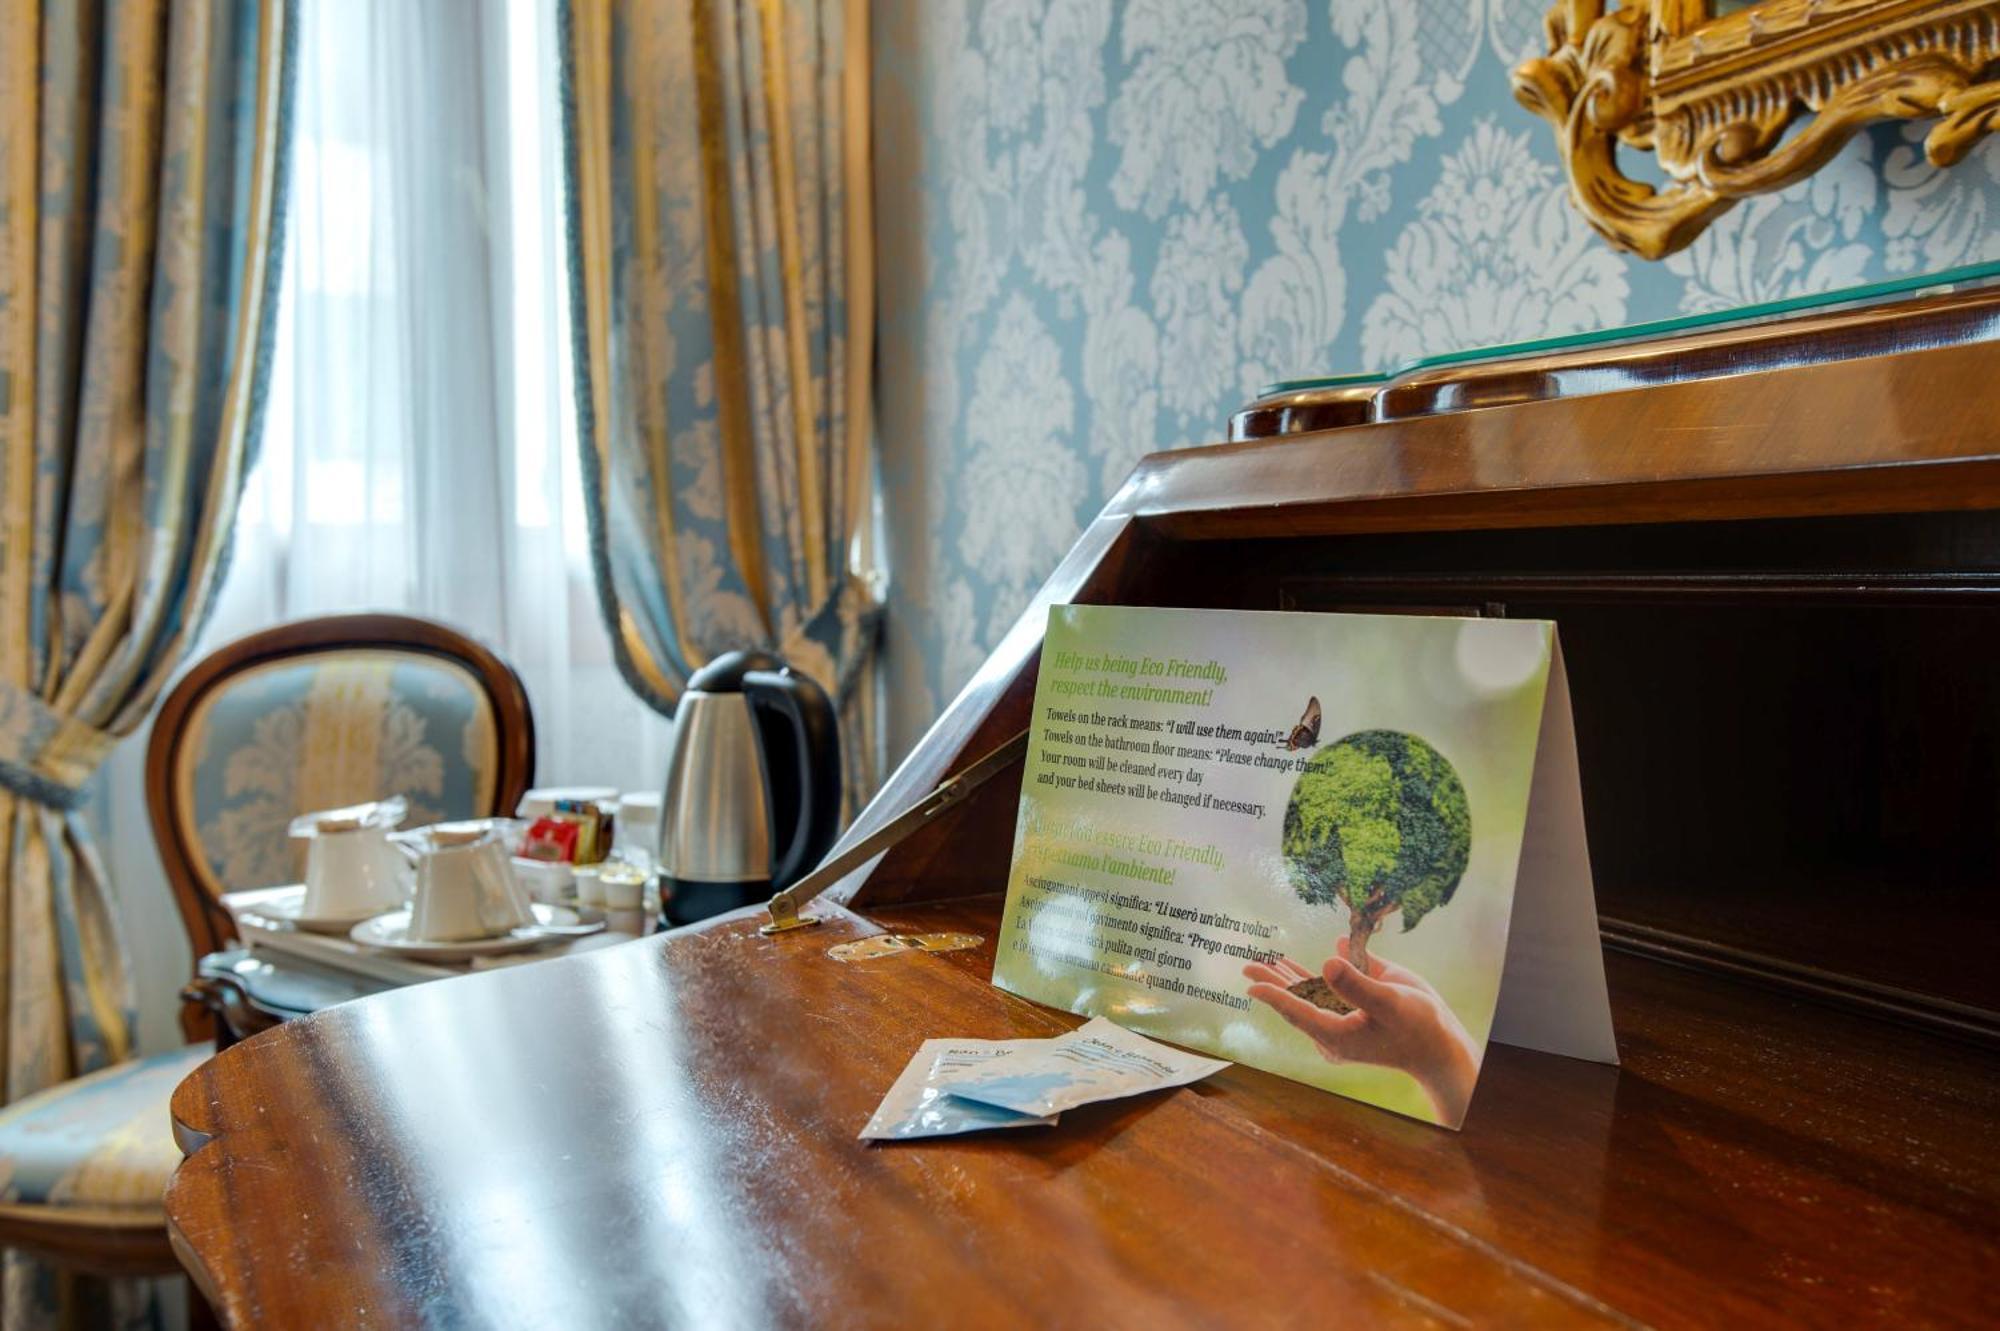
x=725 y=673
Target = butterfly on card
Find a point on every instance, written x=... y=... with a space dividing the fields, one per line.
x=1306 y=733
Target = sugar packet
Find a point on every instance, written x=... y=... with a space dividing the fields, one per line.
x=1099 y=1060
x=917 y=1107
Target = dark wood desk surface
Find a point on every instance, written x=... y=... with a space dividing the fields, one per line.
x=663 y=1133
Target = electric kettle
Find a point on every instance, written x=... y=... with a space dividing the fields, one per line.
x=752 y=799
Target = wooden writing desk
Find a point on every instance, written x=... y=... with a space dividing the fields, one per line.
x=1803 y=1130
x=663 y=1133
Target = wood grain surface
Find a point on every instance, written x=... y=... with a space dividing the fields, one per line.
x=664 y=1133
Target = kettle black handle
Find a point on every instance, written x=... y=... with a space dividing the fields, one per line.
x=815 y=756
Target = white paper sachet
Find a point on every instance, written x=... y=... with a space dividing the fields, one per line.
x=917 y=1107
x=1099 y=1060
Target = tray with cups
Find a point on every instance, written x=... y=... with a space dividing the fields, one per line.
x=448 y=892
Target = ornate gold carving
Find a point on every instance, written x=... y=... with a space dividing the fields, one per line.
x=1750 y=102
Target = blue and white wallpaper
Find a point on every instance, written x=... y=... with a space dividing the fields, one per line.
x=1104 y=226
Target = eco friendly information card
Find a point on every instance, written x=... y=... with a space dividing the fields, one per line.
x=1347 y=849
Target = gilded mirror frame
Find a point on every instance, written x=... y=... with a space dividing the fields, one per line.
x=1748 y=101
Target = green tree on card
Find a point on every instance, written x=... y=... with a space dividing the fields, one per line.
x=1379 y=821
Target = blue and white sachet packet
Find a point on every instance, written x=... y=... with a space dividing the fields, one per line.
x=1099 y=1060
x=917 y=1107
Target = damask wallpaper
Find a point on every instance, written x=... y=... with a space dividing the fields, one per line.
x=1103 y=226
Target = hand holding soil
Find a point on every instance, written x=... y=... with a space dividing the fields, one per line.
x=1394 y=1019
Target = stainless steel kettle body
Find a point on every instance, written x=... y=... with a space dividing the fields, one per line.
x=752 y=798
x=714 y=815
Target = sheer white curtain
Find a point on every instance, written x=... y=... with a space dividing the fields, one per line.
x=419 y=453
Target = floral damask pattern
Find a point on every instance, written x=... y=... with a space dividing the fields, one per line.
x=1495 y=254
x=1195 y=289
x=245 y=838
x=1125 y=217
x=1020 y=477
x=1206 y=93
x=716 y=237
x=297 y=737
x=1775 y=246
x=1939 y=218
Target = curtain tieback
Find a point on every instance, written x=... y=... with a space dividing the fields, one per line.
x=844 y=630
x=44 y=755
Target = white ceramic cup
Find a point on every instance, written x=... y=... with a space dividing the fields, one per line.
x=352 y=871
x=466 y=887
x=545 y=880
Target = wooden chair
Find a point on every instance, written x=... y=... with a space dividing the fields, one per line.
x=307 y=715
x=313 y=715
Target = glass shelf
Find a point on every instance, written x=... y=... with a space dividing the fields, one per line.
x=1951 y=278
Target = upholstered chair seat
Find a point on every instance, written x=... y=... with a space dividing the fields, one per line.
x=95 y=1151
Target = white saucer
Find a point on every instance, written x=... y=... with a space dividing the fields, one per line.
x=553 y=924
x=286 y=910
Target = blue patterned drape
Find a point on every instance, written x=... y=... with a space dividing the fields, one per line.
x=139 y=178
x=722 y=297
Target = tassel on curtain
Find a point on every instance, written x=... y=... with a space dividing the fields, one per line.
x=140 y=155
x=722 y=290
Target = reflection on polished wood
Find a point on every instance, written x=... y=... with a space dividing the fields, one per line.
x=1816 y=338
x=664 y=1132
